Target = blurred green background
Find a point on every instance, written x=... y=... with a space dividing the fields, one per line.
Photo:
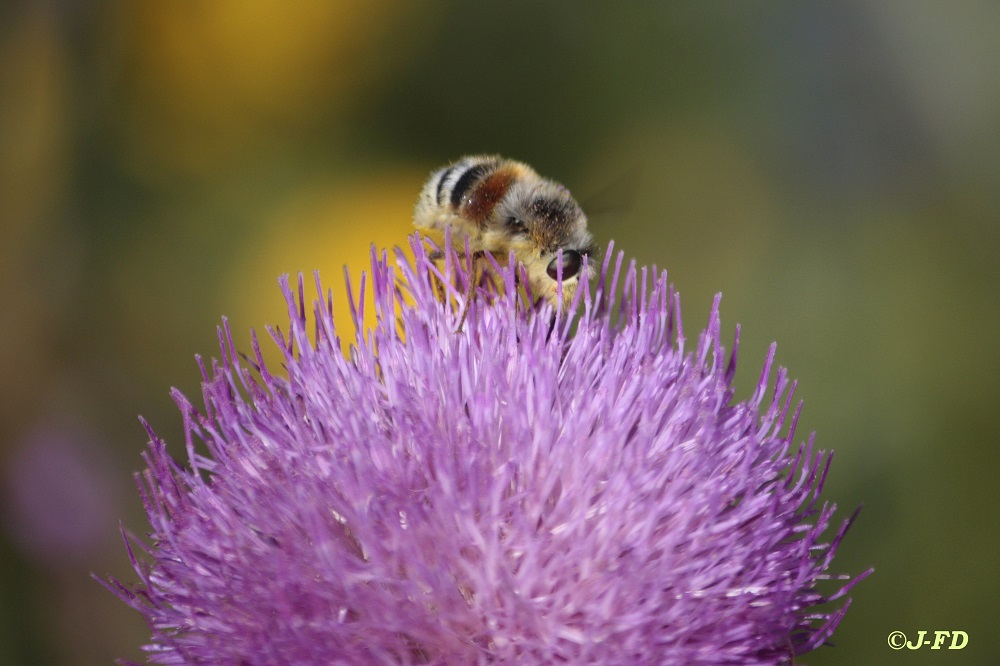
x=832 y=168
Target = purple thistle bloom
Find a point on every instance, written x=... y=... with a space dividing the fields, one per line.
x=512 y=493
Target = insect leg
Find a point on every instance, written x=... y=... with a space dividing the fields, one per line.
x=471 y=292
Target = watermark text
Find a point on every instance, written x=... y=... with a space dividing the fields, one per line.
x=954 y=639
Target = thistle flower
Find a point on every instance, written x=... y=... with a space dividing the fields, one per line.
x=534 y=489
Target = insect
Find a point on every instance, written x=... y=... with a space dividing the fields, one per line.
x=501 y=205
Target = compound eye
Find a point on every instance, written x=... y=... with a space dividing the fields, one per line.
x=516 y=225
x=571 y=262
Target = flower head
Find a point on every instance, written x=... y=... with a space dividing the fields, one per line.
x=537 y=488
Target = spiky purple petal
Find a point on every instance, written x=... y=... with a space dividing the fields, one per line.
x=535 y=489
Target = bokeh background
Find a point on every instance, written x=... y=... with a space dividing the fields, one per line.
x=831 y=168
